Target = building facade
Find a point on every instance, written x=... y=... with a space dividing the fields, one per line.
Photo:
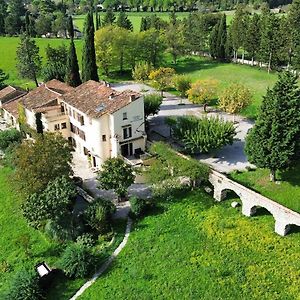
x=98 y=121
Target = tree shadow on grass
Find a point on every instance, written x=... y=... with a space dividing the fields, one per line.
x=191 y=64
x=292 y=175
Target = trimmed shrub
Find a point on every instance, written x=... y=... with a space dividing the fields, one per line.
x=182 y=84
x=25 y=286
x=203 y=91
x=77 y=261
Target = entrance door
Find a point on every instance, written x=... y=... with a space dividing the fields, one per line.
x=127 y=150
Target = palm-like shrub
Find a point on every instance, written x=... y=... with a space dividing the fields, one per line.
x=202 y=135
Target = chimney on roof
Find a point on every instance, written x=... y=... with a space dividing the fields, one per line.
x=132 y=98
x=111 y=96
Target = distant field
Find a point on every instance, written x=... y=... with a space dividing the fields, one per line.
x=8 y=46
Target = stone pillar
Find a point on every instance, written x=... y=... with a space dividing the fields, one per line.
x=219 y=194
x=281 y=227
x=248 y=209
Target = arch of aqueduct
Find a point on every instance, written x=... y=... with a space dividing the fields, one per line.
x=251 y=200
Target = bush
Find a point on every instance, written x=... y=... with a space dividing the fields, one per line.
x=98 y=215
x=86 y=240
x=141 y=71
x=25 y=286
x=8 y=137
x=138 y=206
x=152 y=103
x=203 y=91
x=234 y=98
x=203 y=135
x=77 y=261
x=168 y=188
x=182 y=84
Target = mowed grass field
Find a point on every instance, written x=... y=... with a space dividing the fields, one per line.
x=8 y=47
x=257 y=80
x=194 y=248
x=285 y=192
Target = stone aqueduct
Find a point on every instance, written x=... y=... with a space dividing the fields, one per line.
x=251 y=200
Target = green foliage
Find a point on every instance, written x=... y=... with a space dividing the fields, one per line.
x=273 y=142
x=25 y=286
x=202 y=91
x=52 y=204
x=162 y=78
x=116 y=175
x=123 y=21
x=152 y=103
x=138 y=206
x=109 y=18
x=170 y=164
x=3 y=78
x=77 y=261
x=8 y=137
x=89 y=67
x=86 y=240
x=235 y=98
x=28 y=59
x=182 y=84
x=203 y=135
x=39 y=162
x=167 y=189
x=55 y=67
x=72 y=69
x=98 y=215
x=141 y=71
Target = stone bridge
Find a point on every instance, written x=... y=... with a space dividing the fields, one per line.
x=251 y=200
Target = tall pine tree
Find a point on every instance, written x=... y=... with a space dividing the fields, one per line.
x=89 y=67
x=273 y=142
x=221 y=39
x=3 y=8
x=72 y=70
x=123 y=21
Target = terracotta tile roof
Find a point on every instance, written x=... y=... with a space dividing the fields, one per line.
x=10 y=93
x=45 y=94
x=96 y=99
x=12 y=107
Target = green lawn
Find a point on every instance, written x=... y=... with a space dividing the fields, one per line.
x=287 y=192
x=14 y=231
x=196 y=249
x=255 y=79
x=8 y=46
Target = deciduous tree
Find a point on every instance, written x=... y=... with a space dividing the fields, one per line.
x=162 y=78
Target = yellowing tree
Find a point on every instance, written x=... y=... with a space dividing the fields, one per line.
x=234 y=98
x=162 y=78
x=203 y=91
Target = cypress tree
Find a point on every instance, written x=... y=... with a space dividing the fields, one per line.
x=221 y=39
x=39 y=123
x=273 y=142
x=27 y=23
x=89 y=67
x=97 y=18
x=123 y=21
x=3 y=8
x=109 y=17
x=143 y=26
x=72 y=72
x=213 y=41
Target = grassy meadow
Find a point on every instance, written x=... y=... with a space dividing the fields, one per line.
x=194 y=248
x=8 y=46
x=285 y=192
